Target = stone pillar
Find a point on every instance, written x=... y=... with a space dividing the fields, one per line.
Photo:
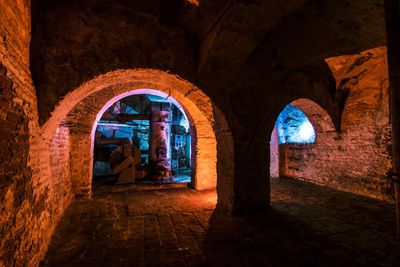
x=392 y=8
x=252 y=178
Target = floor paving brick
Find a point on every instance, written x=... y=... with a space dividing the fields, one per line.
x=307 y=225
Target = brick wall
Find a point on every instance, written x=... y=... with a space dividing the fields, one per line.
x=32 y=193
x=359 y=158
x=60 y=165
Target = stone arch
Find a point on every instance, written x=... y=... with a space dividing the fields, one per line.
x=203 y=137
x=323 y=127
x=84 y=105
x=318 y=117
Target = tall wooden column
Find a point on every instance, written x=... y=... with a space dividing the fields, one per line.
x=392 y=8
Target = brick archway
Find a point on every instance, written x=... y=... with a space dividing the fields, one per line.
x=318 y=117
x=81 y=109
x=324 y=131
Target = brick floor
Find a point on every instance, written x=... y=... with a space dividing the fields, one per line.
x=307 y=226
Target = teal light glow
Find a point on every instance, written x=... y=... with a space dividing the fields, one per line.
x=293 y=127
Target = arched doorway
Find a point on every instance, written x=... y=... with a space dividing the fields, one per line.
x=292 y=127
x=203 y=141
x=143 y=138
x=301 y=127
x=211 y=136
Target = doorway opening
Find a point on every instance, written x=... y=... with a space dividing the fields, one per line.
x=143 y=139
x=291 y=128
x=210 y=135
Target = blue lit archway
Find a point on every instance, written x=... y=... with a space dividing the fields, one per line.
x=293 y=127
x=300 y=123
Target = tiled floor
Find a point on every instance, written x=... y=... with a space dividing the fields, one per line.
x=306 y=226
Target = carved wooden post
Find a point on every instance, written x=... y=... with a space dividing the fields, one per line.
x=392 y=10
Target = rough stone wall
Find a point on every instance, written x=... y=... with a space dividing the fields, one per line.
x=30 y=204
x=359 y=158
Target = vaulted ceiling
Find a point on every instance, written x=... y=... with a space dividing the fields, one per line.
x=207 y=42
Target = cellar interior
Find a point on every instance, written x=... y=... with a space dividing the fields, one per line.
x=200 y=133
